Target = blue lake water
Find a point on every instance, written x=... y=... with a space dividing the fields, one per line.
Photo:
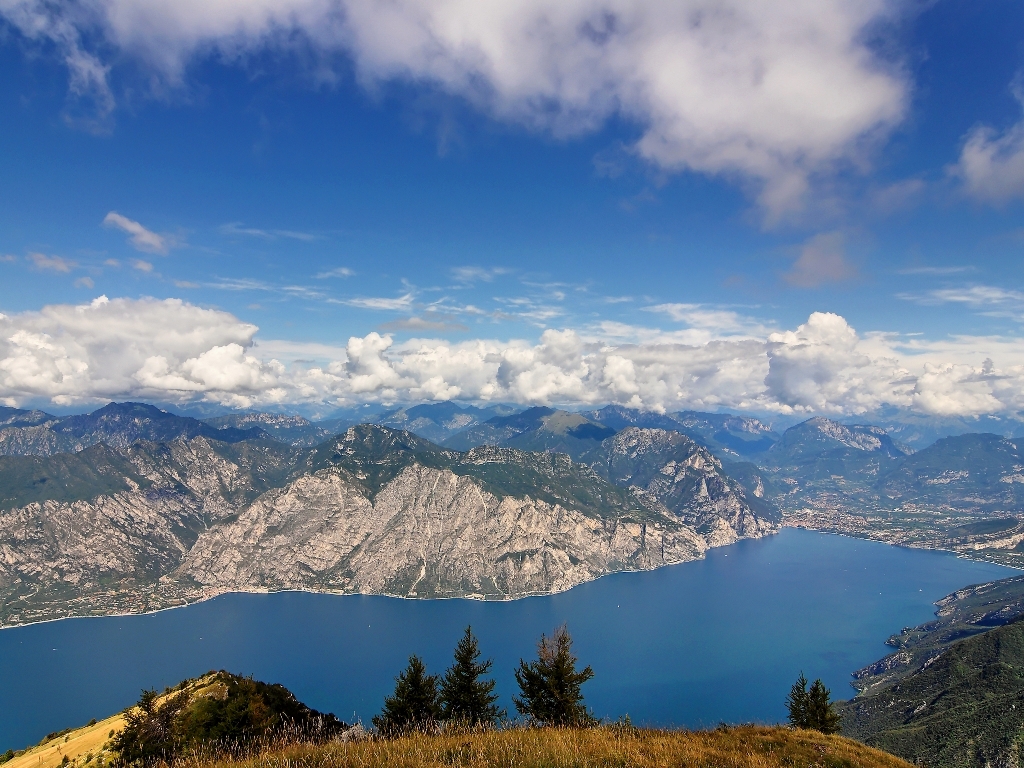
x=721 y=639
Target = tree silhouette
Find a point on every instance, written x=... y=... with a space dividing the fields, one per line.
x=465 y=697
x=414 y=704
x=550 y=685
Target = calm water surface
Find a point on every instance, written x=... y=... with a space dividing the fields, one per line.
x=694 y=644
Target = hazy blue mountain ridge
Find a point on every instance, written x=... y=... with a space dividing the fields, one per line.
x=535 y=429
x=118 y=425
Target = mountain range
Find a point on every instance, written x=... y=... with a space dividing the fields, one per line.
x=131 y=508
x=125 y=526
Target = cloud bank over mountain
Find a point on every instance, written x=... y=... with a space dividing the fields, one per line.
x=170 y=350
x=769 y=94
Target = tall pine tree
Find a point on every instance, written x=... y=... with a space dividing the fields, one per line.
x=414 y=704
x=796 y=703
x=550 y=686
x=821 y=712
x=465 y=696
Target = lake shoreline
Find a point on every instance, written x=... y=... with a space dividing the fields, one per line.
x=719 y=640
x=484 y=599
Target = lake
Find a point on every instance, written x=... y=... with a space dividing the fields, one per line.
x=720 y=639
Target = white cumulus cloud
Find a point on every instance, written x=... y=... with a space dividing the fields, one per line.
x=173 y=351
x=769 y=93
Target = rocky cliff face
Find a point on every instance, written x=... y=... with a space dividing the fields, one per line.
x=428 y=533
x=686 y=478
x=372 y=511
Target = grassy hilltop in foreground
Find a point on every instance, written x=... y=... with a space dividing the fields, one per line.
x=222 y=720
x=738 y=747
x=741 y=747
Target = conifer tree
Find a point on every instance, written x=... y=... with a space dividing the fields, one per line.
x=821 y=713
x=550 y=685
x=414 y=704
x=465 y=697
x=796 y=703
x=812 y=709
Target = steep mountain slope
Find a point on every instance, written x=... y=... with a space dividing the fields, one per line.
x=686 y=478
x=535 y=429
x=967 y=471
x=820 y=447
x=964 y=708
x=967 y=612
x=373 y=510
x=119 y=425
x=104 y=531
x=820 y=464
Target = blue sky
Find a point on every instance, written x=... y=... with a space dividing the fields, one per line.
x=531 y=202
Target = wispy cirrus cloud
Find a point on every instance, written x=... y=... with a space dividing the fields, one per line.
x=336 y=272
x=397 y=304
x=237 y=228
x=141 y=239
x=985 y=300
x=938 y=271
x=238 y=284
x=51 y=263
x=471 y=275
x=973 y=296
x=712 y=320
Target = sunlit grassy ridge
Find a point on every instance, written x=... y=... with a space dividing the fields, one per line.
x=605 y=747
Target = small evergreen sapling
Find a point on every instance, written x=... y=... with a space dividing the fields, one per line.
x=415 y=703
x=550 y=685
x=465 y=696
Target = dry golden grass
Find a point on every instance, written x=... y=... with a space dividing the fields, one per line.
x=76 y=745
x=84 y=747
x=606 y=747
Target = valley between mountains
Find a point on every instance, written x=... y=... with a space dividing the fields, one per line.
x=131 y=509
